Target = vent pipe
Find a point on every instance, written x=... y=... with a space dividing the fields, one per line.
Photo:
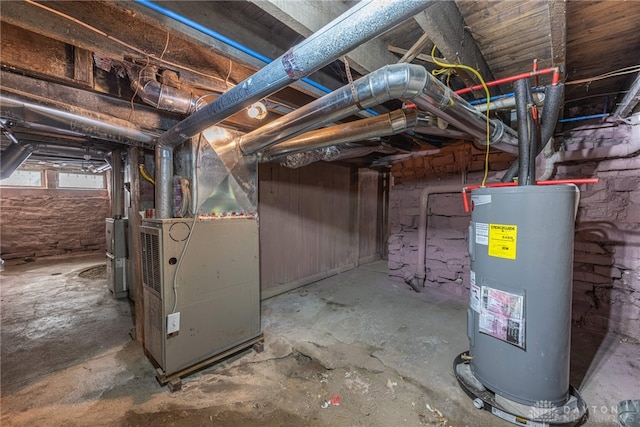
x=158 y=95
x=55 y=120
x=397 y=81
x=441 y=101
x=14 y=155
x=357 y=25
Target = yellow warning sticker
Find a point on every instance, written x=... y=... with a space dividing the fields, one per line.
x=502 y=240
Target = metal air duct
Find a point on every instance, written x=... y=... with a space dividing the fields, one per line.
x=330 y=154
x=441 y=101
x=13 y=156
x=67 y=122
x=388 y=124
x=397 y=81
x=161 y=96
x=359 y=24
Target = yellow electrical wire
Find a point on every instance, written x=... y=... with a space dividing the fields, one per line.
x=145 y=175
x=486 y=91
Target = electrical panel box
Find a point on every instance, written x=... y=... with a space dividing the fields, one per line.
x=203 y=300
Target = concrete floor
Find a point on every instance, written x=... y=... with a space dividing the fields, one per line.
x=68 y=359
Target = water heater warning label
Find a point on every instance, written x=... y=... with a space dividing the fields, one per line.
x=502 y=315
x=502 y=240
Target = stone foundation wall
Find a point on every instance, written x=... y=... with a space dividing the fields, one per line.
x=45 y=222
x=606 y=285
x=606 y=293
x=447 y=254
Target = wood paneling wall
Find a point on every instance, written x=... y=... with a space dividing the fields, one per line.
x=313 y=223
x=369 y=216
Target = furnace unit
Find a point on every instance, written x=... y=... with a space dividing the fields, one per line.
x=203 y=303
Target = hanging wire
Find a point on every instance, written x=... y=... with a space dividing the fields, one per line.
x=120 y=42
x=614 y=73
x=193 y=224
x=488 y=96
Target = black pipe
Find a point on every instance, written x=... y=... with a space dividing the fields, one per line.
x=521 y=88
x=550 y=113
x=549 y=119
x=534 y=139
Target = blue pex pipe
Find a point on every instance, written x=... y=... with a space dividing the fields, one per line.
x=224 y=39
x=579 y=118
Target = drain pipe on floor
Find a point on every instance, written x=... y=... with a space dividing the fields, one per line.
x=357 y=25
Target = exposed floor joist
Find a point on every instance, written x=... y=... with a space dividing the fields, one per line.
x=364 y=59
x=445 y=26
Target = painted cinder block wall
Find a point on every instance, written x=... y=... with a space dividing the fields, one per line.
x=606 y=293
x=42 y=222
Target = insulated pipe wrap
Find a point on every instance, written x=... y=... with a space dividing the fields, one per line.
x=520 y=88
x=550 y=112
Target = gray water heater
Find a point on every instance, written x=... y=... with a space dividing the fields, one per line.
x=519 y=318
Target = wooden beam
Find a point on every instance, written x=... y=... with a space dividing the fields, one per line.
x=314 y=15
x=415 y=50
x=143 y=116
x=129 y=30
x=558 y=33
x=420 y=56
x=630 y=100
x=558 y=27
x=83 y=66
x=445 y=26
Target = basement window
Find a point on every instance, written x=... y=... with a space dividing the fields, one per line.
x=80 y=181
x=23 y=178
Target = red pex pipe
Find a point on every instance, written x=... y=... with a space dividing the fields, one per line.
x=467 y=206
x=554 y=70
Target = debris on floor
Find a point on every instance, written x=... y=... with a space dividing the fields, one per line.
x=334 y=401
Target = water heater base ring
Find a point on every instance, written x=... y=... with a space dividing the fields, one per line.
x=566 y=416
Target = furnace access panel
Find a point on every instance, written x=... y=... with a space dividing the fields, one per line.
x=213 y=301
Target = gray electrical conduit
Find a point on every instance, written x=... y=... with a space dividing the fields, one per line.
x=357 y=25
